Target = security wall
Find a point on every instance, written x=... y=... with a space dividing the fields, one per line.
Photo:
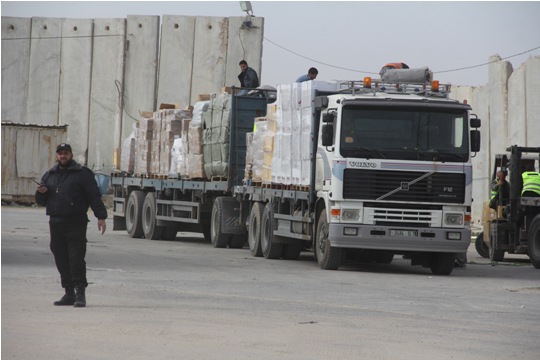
x=509 y=108
x=97 y=75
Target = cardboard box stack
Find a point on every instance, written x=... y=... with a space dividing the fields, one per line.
x=194 y=150
x=154 y=138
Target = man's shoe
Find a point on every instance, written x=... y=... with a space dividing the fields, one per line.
x=67 y=299
x=80 y=298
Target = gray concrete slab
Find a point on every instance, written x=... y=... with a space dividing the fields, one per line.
x=104 y=128
x=16 y=34
x=75 y=73
x=532 y=94
x=244 y=43
x=209 y=55
x=44 y=79
x=140 y=74
x=176 y=60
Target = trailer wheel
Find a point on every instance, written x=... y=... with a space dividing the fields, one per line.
x=150 y=229
x=218 y=238
x=270 y=248
x=534 y=242
x=254 y=229
x=443 y=263
x=134 y=214
x=494 y=254
x=328 y=257
x=481 y=248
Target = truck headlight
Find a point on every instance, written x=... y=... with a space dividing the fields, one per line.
x=350 y=214
x=453 y=219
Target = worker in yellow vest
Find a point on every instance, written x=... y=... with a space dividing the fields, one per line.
x=531 y=184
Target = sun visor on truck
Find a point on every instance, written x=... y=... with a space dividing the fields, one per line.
x=416 y=75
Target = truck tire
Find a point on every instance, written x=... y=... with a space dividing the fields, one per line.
x=443 y=263
x=134 y=214
x=254 y=229
x=270 y=249
x=328 y=257
x=218 y=238
x=534 y=242
x=481 y=248
x=494 y=254
x=150 y=230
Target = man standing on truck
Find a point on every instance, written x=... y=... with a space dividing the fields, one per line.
x=248 y=77
x=67 y=190
x=500 y=190
x=311 y=75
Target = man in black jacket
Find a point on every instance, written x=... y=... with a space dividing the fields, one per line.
x=248 y=77
x=68 y=189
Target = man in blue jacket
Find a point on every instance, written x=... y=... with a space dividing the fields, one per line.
x=67 y=190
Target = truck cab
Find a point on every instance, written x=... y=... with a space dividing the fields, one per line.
x=394 y=173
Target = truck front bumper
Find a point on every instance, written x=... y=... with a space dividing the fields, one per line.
x=416 y=239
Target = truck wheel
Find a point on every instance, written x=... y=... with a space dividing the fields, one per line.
x=494 y=254
x=443 y=263
x=481 y=248
x=534 y=242
x=254 y=229
x=150 y=230
x=218 y=238
x=134 y=214
x=328 y=257
x=270 y=249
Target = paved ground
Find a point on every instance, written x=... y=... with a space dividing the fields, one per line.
x=184 y=299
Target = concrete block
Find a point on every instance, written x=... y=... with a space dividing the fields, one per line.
x=44 y=80
x=15 y=63
x=176 y=57
x=105 y=120
x=74 y=107
x=532 y=93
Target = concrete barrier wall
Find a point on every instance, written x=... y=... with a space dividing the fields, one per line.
x=510 y=111
x=96 y=75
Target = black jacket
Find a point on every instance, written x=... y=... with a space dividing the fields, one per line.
x=249 y=78
x=70 y=193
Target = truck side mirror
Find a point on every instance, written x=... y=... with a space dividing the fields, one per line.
x=475 y=140
x=328 y=134
x=475 y=123
x=329 y=117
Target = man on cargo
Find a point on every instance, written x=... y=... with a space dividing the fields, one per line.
x=311 y=75
x=248 y=77
x=68 y=189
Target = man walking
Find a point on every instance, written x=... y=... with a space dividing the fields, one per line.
x=67 y=190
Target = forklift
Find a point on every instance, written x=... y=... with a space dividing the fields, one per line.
x=513 y=228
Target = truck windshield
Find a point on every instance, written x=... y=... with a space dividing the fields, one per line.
x=407 y=133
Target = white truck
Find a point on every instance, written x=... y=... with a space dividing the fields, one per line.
x=382 y=169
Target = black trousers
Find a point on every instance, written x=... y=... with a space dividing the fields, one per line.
x=68 y=245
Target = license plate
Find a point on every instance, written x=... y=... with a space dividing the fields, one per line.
x=404 y=233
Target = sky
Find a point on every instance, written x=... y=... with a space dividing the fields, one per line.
x=347 y=40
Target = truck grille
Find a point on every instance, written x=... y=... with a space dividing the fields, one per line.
x=435 y=188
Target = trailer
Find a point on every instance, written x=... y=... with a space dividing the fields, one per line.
x=361 y=170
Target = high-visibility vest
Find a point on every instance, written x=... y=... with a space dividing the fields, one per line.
x=531 y=182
